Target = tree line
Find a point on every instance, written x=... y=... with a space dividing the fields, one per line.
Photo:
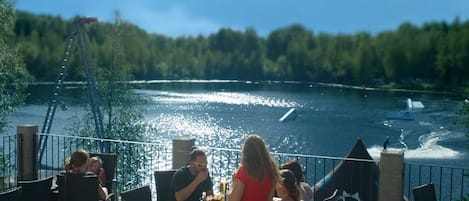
x=435 y=52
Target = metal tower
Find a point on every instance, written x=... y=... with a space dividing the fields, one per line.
x=77 y=35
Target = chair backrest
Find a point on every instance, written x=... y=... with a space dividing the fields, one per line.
x=11 y=194
x=76 y=187
x=425 y=192
x=36 y=189
x=138 y=194
x=163 y=181
x=335 y=196
x=109 y=166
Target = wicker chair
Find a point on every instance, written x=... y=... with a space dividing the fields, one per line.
x=36 y=189
x=11 y=194
x=75 y=187
x=138 y=194
x=163 y=181
x=425 y=192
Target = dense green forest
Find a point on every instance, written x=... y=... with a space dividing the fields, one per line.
x=435 y=53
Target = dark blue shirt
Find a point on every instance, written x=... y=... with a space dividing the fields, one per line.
x=183 y=178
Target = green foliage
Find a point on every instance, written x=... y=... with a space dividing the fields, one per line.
x=13 y=76
x=4 y=165
x=434 y=53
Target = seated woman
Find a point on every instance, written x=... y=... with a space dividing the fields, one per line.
x=95 y=165
x=286 y=187
x=77 y=165
x=306 y=192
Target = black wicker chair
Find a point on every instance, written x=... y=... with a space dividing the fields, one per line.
x=425 y=192
x=11 y=194
x=163 y=181
x=138 y=194
x=36 y=189
x=75 y=187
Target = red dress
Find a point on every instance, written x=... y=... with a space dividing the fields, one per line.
x=102 y=177
x=253 y=190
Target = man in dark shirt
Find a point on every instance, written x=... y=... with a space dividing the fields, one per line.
x=189 y=182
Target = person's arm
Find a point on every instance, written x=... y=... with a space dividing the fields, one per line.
x=237 y=190
x=102 y=177
x=184 y=193
x=271 y=194
x=102 y=191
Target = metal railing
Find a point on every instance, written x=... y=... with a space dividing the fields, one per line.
x=7 y=161
x=451 y=183
x=137 y=162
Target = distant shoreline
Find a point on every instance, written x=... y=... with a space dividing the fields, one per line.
x=393 y=87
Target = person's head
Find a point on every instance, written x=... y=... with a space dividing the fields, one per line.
x=198 y=159
x=95 y=164
x=256 y=158
x=295 y=167
x=77 y=162
x=286 y=186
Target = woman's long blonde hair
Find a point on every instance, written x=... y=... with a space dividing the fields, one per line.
x=257 y=159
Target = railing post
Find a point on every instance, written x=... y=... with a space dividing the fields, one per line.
x=181 y=149
x=26 y=156
x=391 y=176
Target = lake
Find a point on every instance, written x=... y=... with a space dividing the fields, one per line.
x=328 y=121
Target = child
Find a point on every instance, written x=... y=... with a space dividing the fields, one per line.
x=95 y=165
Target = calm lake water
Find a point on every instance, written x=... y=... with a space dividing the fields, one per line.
x=328 y=122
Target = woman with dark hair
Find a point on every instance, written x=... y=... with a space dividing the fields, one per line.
x=77 y=164
x=286 y=187
x=257 y=175
x=306 y=192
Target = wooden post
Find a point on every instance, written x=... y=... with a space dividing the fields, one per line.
x=391 y=176
x=26 y=153
x=181 y=150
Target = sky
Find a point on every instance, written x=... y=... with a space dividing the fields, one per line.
x=176 y=18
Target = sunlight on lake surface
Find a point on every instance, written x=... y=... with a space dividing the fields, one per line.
x=328 y=119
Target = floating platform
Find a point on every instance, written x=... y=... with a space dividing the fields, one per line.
x=291 y=114
x=414 y=104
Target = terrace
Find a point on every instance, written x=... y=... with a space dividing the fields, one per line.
x=137 y=162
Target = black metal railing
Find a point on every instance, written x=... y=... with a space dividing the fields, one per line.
x=451 y=183
x=7 y=161
x=138 y=160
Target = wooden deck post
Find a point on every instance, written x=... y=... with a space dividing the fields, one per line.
x=391 y=176
x=181 y=149
x=26 y=155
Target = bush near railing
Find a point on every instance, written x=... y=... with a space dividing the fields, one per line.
x=7 y=161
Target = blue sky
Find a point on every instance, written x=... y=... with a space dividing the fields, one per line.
x=193 y=17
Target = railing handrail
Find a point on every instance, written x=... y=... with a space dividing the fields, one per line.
x=158 y=143
x=8 y=135
x=437 y=165
x=103 y=139
x=449 y=180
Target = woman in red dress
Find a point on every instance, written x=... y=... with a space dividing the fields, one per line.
x=255 y=179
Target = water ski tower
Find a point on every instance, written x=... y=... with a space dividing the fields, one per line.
x=76 y=36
